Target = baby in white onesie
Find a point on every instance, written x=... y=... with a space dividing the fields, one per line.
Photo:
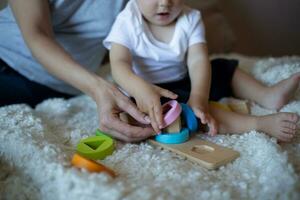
x=158 y=50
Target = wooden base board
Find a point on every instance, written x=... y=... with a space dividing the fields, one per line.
x=204 y=153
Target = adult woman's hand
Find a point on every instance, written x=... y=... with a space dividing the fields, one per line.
x=38 y=33
x=111 y=102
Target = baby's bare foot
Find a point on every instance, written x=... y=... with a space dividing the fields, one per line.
x=279 y=94
x=283 y=126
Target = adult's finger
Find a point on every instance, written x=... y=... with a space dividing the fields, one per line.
x=115 y=134
x=113 y=122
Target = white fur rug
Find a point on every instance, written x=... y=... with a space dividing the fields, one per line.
x=37 y=144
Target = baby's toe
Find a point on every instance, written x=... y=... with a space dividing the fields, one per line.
x=291 y=117
x=288 y=125
x=288 y=131
x=297 y=75
x=285 y=137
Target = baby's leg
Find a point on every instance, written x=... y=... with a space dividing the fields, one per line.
x=246 y=87
x=280 y=125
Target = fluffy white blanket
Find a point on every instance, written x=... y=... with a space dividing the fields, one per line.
x=37 y=144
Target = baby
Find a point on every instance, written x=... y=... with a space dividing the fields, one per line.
x=158 y=49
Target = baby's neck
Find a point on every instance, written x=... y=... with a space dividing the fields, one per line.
x=163 y=33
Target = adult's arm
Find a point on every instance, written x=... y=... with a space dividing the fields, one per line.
x=33 y=18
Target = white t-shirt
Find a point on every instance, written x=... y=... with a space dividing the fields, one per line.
x=155 y=61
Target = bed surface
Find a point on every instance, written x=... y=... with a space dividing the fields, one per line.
x=37 y=145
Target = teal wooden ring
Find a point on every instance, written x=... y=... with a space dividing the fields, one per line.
x=174 y=138
x=96 y=147
x=189 y=117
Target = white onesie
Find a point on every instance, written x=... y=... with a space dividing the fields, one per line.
x=155 y=61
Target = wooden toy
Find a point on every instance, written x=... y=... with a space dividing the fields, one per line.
x=171 y=112
x=219 y=105
x=96 y=147
x=204 y=153
x=189 y=118
x=102 y=134
x=237 y=105
x=90 y=165
x=175 y=127
x=173 y=138
x=242 y=107
x=171 y=117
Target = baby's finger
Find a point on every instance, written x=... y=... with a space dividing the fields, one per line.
x=158 y=115
x=213 y=126
x=200 y=115
x=167 y=93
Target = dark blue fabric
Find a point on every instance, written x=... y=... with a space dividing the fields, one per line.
x=222 y=74
x=14 y=88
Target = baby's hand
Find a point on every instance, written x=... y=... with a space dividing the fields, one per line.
x=201 y=111
x=206 y=118
x=148 y=101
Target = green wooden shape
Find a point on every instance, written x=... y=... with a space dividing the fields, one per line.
x=96 y=147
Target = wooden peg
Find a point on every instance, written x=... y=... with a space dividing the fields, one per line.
x=175 y=127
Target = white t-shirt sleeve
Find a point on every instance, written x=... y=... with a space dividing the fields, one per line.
x=197 y=34
x=119 y=34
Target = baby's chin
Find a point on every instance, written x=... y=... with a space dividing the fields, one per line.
x=162 y=20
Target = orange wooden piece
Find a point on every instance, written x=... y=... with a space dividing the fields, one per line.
x=90 y=165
